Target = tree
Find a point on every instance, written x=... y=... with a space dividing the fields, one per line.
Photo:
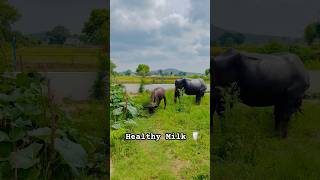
x=238 y=38
x=207 y=72
x=96 y=29
x=143 y=69
x=112 y=67
x=58 y=35
x=310 y=33
x=182 y=73
x=128 y=72
x=8 y=15
x=229 y=39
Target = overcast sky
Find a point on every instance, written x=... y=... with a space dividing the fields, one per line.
x=43 y=15
x=160 y=33
x=169 y=33
x=271 y=17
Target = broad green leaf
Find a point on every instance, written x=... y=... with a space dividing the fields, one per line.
x=22 y=80
x=45 y=131
x=116 y=126
x=21 y=123
x=4 y=137
x=5 y=98
x=16 y=134
x=16 y=94
x=5 y=150
x=26 y=157
x=117 y=111
x=133 y=111
x=5 y=170
x=130 y=121
x=28 y=109
x=73 y=154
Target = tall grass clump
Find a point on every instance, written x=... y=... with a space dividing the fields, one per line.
x=141 y=86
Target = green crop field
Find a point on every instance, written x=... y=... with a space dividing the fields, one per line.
x=55 y=58
x=165 y=159
x=246 y=147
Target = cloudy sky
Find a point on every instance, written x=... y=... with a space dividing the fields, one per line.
x=43 y=15
x=271 y=17
x=160 y=33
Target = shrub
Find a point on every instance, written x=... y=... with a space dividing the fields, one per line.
x=141 y=87
x=32 y=146
x=122 y=107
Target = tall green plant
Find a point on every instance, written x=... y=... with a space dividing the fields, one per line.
x=99 y=87
x=181 y=106
x=123 y=109
x=141 y=86
x=32 y=144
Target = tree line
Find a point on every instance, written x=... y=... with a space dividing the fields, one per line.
x=95 y=30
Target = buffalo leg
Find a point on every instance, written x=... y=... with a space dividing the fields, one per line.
x=198 y=99
x=218 y=102
x=282 y=117
x=176 y=94
x=277 y=119
x=284 y=124
x=165 y=102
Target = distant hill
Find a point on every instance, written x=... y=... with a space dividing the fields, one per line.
x=169 y=72
x=253 y=38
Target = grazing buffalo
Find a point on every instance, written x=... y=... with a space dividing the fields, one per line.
x=195 y=87
x=156 y=96
x=278 y=80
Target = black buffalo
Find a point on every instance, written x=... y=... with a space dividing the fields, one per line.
x=195 y=87
x=278 y=80
x=156 y=96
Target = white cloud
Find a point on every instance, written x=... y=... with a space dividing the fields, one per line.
x=160 y=33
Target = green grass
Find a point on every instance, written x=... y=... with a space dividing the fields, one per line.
x=57 y=58
x=165 y=159
x=88 y=116
x=246 y=147
x=312 y=65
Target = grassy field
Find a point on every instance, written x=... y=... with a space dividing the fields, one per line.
x=165 y=159
x=245 y=145
x=312 y=65
x=55 y=58
x=150 y=80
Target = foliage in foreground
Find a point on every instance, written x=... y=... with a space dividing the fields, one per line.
x=32 y=145
x=122 y=107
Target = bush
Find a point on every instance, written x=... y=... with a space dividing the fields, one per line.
x=141 y=87
x=122 y=107
x=32 y=146
x=98 y=89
